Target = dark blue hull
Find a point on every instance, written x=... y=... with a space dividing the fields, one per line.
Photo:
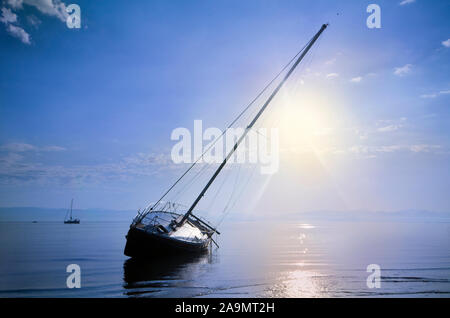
x=145 y=244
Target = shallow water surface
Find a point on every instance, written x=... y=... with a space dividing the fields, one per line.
x=255 y=259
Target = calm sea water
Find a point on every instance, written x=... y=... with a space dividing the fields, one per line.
x=255 y=259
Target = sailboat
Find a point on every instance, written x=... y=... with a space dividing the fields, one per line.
x=161 y=229
x=71 y=220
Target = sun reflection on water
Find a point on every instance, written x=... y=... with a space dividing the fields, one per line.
x=298 y=265
x=299 y=283
x=305 y=226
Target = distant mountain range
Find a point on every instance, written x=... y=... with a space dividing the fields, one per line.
x=372 y=216
x=29 y=214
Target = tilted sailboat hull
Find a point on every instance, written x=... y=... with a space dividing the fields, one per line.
x=141 y=243
x=76 y=221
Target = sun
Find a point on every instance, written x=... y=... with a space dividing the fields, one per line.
x=306 y=122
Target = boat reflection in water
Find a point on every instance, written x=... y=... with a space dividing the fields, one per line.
x=154 y=277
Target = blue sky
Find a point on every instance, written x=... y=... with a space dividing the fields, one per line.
x=88 y=113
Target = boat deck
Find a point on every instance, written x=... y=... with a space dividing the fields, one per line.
x=159 y=222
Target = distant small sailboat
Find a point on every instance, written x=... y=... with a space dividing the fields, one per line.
x=71 y=220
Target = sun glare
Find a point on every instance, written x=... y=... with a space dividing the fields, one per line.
x=307 y=123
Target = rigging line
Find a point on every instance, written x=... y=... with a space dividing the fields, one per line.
x=226 y=178
x=227 y=175
x=232 y=123
x=309 y=60
x=227 y=209
x=234 y=189
x=197 y=175
x=176 y=197
x=224 y=212
x=259 y=133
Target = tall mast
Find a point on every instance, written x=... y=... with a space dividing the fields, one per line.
x=252 y=123
x=71 y=204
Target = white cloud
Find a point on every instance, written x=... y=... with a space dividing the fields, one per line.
x=358 y=79
x=446 y=43
x=54 y=8
x=389 y=128
x=9 y=160
x=403 y=70
x=23 y=147
x=53 y=148
x=407 y=2
x=8 y=16
x=389 y=125
x=434 y=95
x=332 y=75
x=16 y=169
x=20 y=33
x=330 y=62
x=428 y=96
x=17 y=147
x=15 y=4
x=33 y=20
x=417 y=148
x=424 y=148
